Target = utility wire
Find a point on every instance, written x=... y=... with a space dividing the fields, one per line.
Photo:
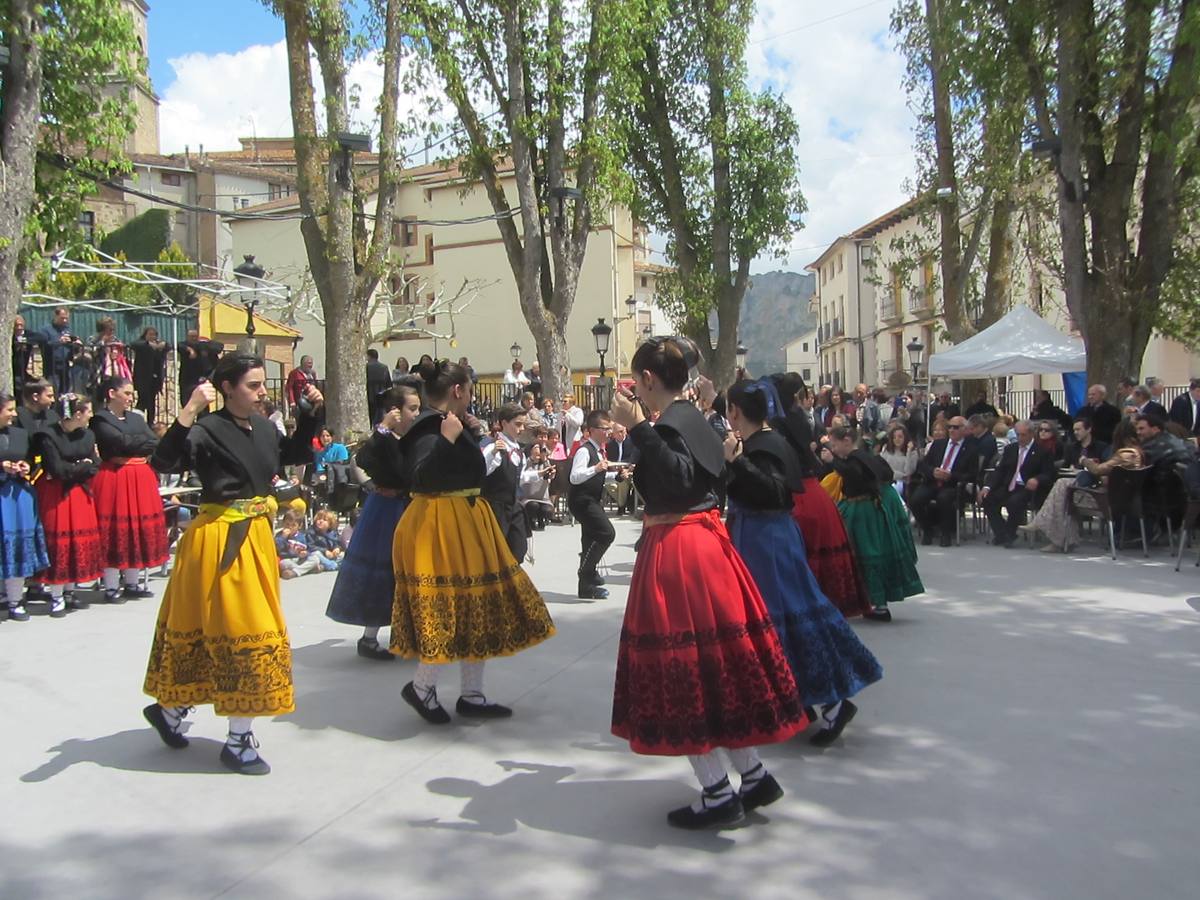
x=259 y=216
x=772 y=37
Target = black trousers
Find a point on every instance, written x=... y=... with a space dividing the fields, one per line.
x=596 y=531
x=933 y=506
x=147 y=402
x=1017 y=503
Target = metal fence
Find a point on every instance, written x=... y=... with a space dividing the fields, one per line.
x=1021 y=403
x=491 y=395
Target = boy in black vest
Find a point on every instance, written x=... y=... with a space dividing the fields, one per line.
x=505 y=468
x=589 y=470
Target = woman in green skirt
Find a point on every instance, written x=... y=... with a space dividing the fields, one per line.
x=876 y=522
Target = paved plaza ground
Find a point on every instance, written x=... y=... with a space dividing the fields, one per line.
x=1036 y=735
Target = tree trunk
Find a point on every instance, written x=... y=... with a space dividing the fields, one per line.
x=553 y=356
x=947 y=180
x=345 y=372
x=20 y=110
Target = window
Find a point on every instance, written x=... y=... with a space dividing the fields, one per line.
x=804 y=347
x=275 y=191
x=806 y=374
x=645 y=281
x=404 y=233
x=430 y=299
x=840 y=255
x=87 y=225
x=396 y=289
x=245 y=202
x=170 y=178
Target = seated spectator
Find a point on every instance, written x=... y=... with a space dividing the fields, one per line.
x=621 y=453
x=1085 y=446
x=555 y=449
x=292 y=548
x=980 y=428
x=322 y=540
x=533 y=491
x=948 y=464
x=1000 y=431
x=1048 y=440
x=1159 y=445
x=331 y=451
x=1021 y=478
x=1054 y=519
x=1143 y=403
x=900 y=453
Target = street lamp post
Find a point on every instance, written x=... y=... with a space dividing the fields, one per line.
x=915 y=352
x=741 y=353
x=601 y=332
x=515 y=350
x=249 y=276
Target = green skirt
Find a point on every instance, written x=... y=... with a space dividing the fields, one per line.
x=883 y=546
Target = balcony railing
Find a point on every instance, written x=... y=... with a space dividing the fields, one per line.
x=919 y=301
x=889 y=309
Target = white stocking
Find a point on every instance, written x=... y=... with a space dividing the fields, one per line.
x=131 y=577
x=112 y=579
x=471 y=674
x=425 y=683
x=371 y=633
x=241 y=739
x=14 y=591
x=710 y=772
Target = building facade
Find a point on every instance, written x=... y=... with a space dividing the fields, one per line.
x=803 y=356
x=874 y=297
x=432 y=263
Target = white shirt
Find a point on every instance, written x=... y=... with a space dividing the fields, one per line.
x=572 y=421
x=580 y=470
x=493 y=456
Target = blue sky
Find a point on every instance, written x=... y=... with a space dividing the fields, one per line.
x=216 y=26
x=832 y=60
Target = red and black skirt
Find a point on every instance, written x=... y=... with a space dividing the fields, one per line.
x=699 y=664
x=133 y=527
x=72 y=532
x=827 y=546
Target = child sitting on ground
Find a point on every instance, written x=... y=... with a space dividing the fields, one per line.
x=294 y=556
x=322 y=540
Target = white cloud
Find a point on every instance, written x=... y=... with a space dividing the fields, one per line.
x=218 y=98
x=834 y=62
x=843 y=79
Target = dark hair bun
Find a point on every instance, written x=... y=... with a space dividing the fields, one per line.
x=688 y=349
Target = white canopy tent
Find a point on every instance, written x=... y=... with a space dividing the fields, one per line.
x=1021 y=343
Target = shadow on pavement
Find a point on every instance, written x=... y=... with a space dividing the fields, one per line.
x=613 y=811
x=133 y=751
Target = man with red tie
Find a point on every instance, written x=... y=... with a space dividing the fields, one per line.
x=1024 y=473
x=948 y=463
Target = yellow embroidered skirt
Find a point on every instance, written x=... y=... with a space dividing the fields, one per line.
x=460 y=593
x=220 y=637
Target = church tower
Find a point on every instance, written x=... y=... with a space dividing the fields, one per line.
x=144 y=138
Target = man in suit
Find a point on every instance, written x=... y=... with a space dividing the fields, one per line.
x=1144 y=403
x=1186 y=408
x=379 y=379
x=621 y=449
x=1103 y=415
x=1024 y=473
x=948 y=463
x=985 y=446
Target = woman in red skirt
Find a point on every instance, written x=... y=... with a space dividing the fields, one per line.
x=700 y=667
x=133 y=529
x=69 y=463
x=826 y=542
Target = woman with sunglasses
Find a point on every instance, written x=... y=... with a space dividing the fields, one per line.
x=699 y=668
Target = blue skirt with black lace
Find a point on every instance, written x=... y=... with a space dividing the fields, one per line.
x=22 y=540
x=829 y=661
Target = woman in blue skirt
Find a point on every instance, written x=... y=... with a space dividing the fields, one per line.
x=22 y=541
x=366 y=586
x=830 y=663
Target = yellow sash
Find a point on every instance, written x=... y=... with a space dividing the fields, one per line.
x=237 y=510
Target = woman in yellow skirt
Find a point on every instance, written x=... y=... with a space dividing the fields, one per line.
x=460 y=594
x=220 y=636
